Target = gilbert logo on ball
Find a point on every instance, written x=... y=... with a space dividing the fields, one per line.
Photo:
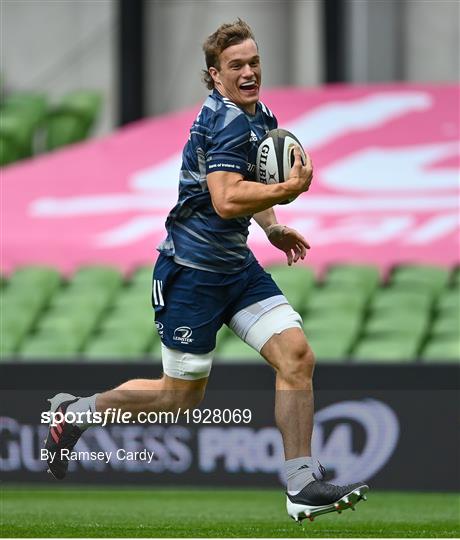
x=275 y=156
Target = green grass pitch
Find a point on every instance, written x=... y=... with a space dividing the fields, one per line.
x=249 y=513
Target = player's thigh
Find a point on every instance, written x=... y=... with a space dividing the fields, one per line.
x=289 y=352
x=260 y=322
x=177 y=384
x=186 y=370
x=277 y=335
x=188 y=392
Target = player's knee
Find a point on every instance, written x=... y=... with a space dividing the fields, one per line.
x=191 y=398
x=182 y=394
x=172 y=394
x=298 y=363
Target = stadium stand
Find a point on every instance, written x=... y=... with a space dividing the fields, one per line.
x=295 y=282
x=16 y=135
x=71 y=120
x=425 y=278
x=22 y=114
x=30 y=125
x=236 y=351
x=364 y=278
x=98 y=315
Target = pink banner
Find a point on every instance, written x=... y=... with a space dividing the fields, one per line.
x=385 y=191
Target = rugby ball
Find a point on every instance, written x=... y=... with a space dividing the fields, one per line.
x=275 y=156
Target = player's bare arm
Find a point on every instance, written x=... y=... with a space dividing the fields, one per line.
x=284 y=238
x=232 y=196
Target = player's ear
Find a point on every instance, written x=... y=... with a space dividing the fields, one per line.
x=214 y=74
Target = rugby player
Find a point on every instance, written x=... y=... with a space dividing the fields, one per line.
x=206 y=276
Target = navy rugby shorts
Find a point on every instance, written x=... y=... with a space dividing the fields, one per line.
x=192 y=305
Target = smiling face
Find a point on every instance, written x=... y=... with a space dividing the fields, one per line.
x=239 y=76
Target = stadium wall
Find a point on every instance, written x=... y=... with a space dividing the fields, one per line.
x=58 y=47
x=180 y=27
x=73 y=44
x=381 y=424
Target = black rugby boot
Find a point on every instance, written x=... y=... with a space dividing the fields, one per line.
x=61 y=438
x=320 y=497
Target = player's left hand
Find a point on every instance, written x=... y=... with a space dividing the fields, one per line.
x=288 y=240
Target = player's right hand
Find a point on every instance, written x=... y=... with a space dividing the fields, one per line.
x=300 y=176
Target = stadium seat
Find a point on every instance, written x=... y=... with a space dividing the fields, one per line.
x=23 y=301
x=355 y=277
x=431 y=278
x=401 y=322
x=331 y=323
x=48 y=347
x=350 y=289
x=142 y=275
x=8 y=345
x=23 y=113
x=64 y=128
x=9 y=151
x=129 y=312
x=34 y=278
x=16 y=324
x=120 y=320
x=78 y=318
x=128 y=326
x=134 y=298
x=234 y=350
x=386 y=349
x=295 y=282
x=140 y=288
x=28 y=104
x=335 y=301
x=223 y=335
x=106 y=349
x=18 y=317
x=70 y=339
x=449 y=300
x=76 y=326
x=34 y=301
x=97 y=307
x=94 y=300
x=455 y=277
x=137 y=339
x=72 y=120
x=17 y=131
x=154 y=354
x=446 y=322
x=105 y=277
x=330 y=346
x=140 y=284
x=442 y=350
x=397 y=298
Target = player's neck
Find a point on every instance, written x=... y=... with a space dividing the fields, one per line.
x=248 y=109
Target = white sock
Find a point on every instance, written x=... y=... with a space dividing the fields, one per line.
x=84 y=405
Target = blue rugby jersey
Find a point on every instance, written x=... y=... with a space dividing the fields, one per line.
x=222 y=138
